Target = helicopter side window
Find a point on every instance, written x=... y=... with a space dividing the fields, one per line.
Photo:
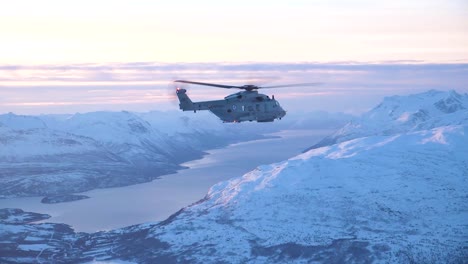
x=257 y=106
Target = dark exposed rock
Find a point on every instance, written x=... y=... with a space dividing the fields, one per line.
x=15 y=216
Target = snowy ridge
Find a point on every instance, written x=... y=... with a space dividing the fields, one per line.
x=21 y=122
x=398 y=114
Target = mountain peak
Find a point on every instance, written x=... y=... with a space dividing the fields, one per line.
x=452 y=103
x=398 y=114
x=21 y=122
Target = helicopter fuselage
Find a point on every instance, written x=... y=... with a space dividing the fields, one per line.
x=238 y=107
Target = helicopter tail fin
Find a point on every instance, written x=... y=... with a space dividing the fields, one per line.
x=185 y=103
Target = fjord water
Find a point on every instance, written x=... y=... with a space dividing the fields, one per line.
x=155 y=201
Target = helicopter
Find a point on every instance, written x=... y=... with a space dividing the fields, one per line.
x=247 y=105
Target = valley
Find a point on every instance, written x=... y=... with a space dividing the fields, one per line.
x=112 y=208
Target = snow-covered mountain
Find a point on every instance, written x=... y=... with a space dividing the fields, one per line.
x=123 y=133
x=398 y=114
x=49 y=154
x=21 y=122
x=398 y=197
x=42 y=161
x=365 y=199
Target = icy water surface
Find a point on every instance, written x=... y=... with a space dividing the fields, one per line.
x=155 y=201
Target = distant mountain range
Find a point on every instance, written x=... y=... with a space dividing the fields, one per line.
x=398 y=114
x=393 y=194
x=53 y=154
x=60 y=154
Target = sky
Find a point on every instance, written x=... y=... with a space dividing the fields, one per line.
x=81 y=56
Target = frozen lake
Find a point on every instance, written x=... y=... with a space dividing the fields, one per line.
x=155 y=201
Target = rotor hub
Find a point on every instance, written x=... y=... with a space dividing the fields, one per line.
x=249 y=87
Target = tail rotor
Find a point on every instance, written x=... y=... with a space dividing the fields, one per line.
x=171 y=91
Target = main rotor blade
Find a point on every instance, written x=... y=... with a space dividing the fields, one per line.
x=210 y=84
x=291 y=85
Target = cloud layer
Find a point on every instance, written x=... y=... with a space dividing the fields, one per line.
x=141 y=86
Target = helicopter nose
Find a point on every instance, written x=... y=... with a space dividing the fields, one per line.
x=283 y=113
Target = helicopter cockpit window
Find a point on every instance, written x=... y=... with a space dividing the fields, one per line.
x=234 y=96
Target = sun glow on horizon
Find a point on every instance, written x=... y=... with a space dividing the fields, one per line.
x=61 y=56
x=53 y=31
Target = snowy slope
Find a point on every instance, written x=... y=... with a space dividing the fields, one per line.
x=387 y=196
x=108 y=127
x=23 y=144
x=122 y=133
x=397 y=114
x=42 y=161
x=21 y=122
